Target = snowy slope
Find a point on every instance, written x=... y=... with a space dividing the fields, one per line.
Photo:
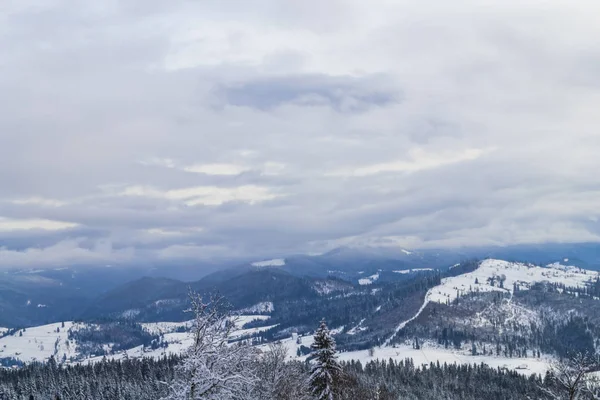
x=491 y=272
x=178 y=342
x=487 y=278
x=40 y=342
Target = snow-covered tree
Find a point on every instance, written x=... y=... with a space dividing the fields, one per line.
x=213 y=368
x=326 y=370
x=573 y=378
x=280 y=379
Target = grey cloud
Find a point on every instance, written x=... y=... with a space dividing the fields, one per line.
x=343 y=94
x=88 y=92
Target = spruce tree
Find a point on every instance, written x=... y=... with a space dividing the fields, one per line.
x=326 y=370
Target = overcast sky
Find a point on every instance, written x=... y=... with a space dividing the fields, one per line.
x=139 y=130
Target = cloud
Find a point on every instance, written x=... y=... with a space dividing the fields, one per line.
x=419 y=161
x=216 y=169
x=181 y=130
x=343 y=94
x=205 y=195
x=8 y=224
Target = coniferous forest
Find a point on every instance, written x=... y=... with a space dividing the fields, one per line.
x=149 y=379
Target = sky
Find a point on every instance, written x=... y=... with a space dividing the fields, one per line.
x=165 y=131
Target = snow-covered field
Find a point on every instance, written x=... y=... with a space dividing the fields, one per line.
x=39 y=343
x=488 y=276
x=178 y=342
x=426 y=354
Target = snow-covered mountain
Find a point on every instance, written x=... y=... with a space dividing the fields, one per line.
x=487 y=299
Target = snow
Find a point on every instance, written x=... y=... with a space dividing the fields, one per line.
x=427 y=354
x=3 y=330
x=262 y=307
x=158 y=328
x=402 y=324
x=337 y=331
x=40 y=342
x=409 y=271
x=408 y=253
x=368 y=280
x=251 y=331
x=241 y=320
x=522 y=275
x=276 y=262
x=358 y=328
x=130 y=314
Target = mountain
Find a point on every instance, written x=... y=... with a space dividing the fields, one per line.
x=154 y=299
x=38 y=296
x=35 y=297
x=505 y=314
x=350 y=262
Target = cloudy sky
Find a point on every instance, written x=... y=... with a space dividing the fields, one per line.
x=139 y=130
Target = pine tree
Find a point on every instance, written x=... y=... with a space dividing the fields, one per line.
x=326 y=370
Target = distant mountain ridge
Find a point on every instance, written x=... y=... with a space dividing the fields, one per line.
x=29 y=297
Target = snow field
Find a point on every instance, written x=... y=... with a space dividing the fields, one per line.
x=521 y=275
x=39 y=343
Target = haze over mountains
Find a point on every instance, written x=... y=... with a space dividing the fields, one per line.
x=33 y=297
